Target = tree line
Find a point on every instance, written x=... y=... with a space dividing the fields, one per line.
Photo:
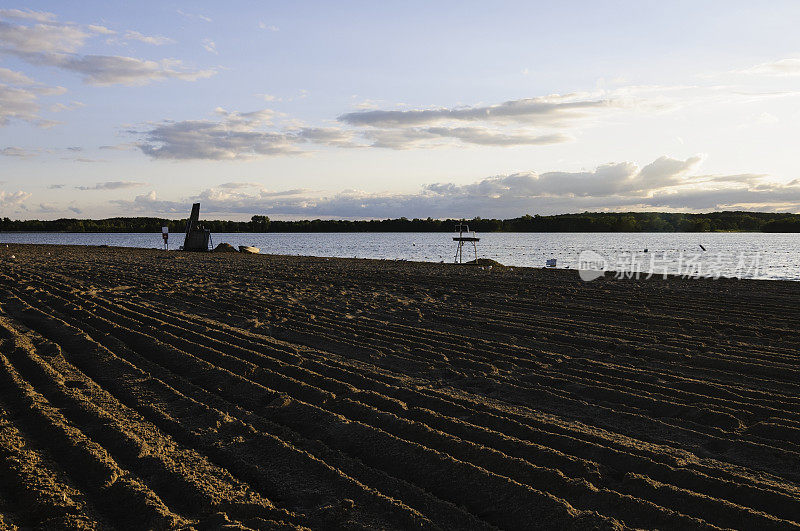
x=585 y=222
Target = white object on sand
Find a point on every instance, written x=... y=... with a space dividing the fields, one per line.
x=247 y=249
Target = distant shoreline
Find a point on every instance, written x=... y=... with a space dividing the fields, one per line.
x=656 y=222
x=387 y=232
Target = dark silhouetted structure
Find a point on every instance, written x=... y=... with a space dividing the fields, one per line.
x=462 y=228
x=197 y=238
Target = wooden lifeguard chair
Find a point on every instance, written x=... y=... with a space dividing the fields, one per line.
x=462 y=228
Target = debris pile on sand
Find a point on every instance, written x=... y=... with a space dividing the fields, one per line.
x=486 y=262
x=224 y=248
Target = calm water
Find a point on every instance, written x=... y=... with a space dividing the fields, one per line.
x=747 y=255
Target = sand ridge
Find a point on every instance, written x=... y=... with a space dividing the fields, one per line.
x=173 y=390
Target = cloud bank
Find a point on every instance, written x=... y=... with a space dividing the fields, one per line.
x=535 y=121
x=237 y=135
x=665 y=183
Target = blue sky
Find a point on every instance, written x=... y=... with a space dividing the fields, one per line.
x=379 y=109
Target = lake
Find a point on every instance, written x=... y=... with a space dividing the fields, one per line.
x=740 y=254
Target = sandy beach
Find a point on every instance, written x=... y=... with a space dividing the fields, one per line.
x=143 y=388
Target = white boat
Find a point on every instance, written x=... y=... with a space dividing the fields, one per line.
x=247 y=249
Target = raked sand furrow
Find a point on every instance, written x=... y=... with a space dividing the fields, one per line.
x=112 y=490
x=290 y=475
x=41 y=492
x=625 y=400
x=599 y=499
x=409 y=469
x=639 y=488
x=427 y=394
x=564 y=387
x=181 y=477
x=567 y=339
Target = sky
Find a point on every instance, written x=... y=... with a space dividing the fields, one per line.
x=359 y=110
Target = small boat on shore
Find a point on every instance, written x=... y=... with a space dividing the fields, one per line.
x=248 y=249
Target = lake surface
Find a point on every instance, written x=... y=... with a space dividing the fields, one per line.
x=742 y=254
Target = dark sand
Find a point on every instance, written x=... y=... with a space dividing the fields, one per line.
x=140 y=388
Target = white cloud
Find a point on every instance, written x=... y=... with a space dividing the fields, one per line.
x=548 y=111
x=406 y=138
x=27 y=14
x=59 y=107
x=234 y=136
x=155 y=40
x=18 y=104
x=118 y=70
x=238 y=185
x=536 y=121
x=111 y=185
x=532 y=121
x=367 y=105
x=124 y=146
x=193 y=16
x=239 y=135
x=83 y=159
x=14 y=78
x=329 y=136
x=100 y=30
x=788 y=67
x=14 y=151
x=21 y=103
x=523 y=122
x=11 y=199
x=210 y=46
x=246 y=119
x=268 y=27
x=41 y=38
x=665 y=171
x=212 y=141
x=56 y=44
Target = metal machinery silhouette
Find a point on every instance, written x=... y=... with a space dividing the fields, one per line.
x=463 y=228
